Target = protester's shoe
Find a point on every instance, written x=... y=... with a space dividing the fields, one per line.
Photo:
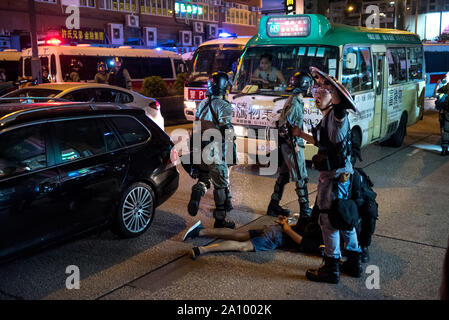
x=444 y=151
x=329 y=272
x=364 y=256
x=224 y=224
x=194 y=253
x=353 y=265
x=194 y=231
x=274 y=209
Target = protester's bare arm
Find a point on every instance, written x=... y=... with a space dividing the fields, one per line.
x=286 y=228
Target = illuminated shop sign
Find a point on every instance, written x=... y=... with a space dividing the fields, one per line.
x=288 y=27
x=290 y=6
x=187 y=8
x=82 y=35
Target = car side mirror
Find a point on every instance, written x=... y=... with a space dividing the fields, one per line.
x=351 y=61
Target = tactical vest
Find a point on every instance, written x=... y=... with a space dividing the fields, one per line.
x=337 y=153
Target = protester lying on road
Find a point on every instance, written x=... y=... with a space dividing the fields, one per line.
x=305 y=236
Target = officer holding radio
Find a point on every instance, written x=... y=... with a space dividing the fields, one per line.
x=332 y=136
x=291 y=149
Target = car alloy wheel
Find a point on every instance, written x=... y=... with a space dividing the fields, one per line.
x=137 y=209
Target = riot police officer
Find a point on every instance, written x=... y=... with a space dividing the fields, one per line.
x=101 y=76
x=332 y=136
x=119 y=75
x=45 y=76
x=442 y=105
x=214 y=112
x=291 y=149
x=75 y=67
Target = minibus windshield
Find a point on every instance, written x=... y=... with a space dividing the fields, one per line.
x=267 y=69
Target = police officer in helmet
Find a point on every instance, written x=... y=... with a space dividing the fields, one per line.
x=215 y=112
x=119 y=75
x=75 y=67
x=101 y=76
x=291 y=149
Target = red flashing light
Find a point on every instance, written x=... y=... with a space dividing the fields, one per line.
x=53 y=42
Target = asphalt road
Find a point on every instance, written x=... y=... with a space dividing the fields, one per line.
x=408 y=246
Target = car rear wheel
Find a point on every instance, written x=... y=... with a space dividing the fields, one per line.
x=135 y=211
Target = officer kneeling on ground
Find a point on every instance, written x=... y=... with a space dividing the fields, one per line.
x=214 y=112
x=332 y=136
x=291 y=149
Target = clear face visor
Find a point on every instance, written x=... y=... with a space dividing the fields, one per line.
x=319 y=91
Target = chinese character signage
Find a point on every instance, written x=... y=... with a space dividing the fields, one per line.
x=288 y=27
x=82 y=35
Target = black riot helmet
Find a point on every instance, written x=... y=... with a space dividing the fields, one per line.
x=218 y=83
x=301 y=82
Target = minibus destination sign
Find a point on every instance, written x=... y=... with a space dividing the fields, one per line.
x=288 y=27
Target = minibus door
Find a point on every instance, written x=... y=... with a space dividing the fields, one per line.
x=379 y=60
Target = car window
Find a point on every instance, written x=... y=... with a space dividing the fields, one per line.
x=33 y=92
x=110 y=138
x=76 y=139
x=122 y=97
x=130 y=130
x=104 y=95
x=83 y=95
x=22 y=150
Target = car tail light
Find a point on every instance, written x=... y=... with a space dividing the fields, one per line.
x=173 y=159
x=155 y=105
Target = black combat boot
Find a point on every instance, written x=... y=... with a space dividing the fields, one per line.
x=364 y=256
x=444 y=151
x=224 y=223
x=228 y=202
x=198 y=191
x=329 y=272
x=274 y=209
x=353 y=266
x=220 y=210
x=303 y=198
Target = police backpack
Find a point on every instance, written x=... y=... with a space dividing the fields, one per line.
x=365 y=198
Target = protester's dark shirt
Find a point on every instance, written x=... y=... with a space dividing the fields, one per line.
x=311 y=240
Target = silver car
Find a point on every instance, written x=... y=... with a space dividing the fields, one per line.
x=93 y=92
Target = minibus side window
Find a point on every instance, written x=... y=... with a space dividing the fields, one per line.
x=361 y=77
x=397 y=65
x=415 y=62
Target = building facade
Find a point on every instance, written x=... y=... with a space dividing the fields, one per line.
x=180 y=24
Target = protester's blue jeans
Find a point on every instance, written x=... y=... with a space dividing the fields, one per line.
x=331 y=236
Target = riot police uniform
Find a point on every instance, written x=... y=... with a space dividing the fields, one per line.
x=215 y=112
x=442 y=105
x=101 y=76
x=291 y=150
x=74 y=75
x=119 y=76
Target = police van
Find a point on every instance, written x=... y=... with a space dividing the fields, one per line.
x=141 y=63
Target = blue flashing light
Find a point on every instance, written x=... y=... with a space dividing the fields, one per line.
x=227 y=35
x=158 y=49
x=111 y=62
